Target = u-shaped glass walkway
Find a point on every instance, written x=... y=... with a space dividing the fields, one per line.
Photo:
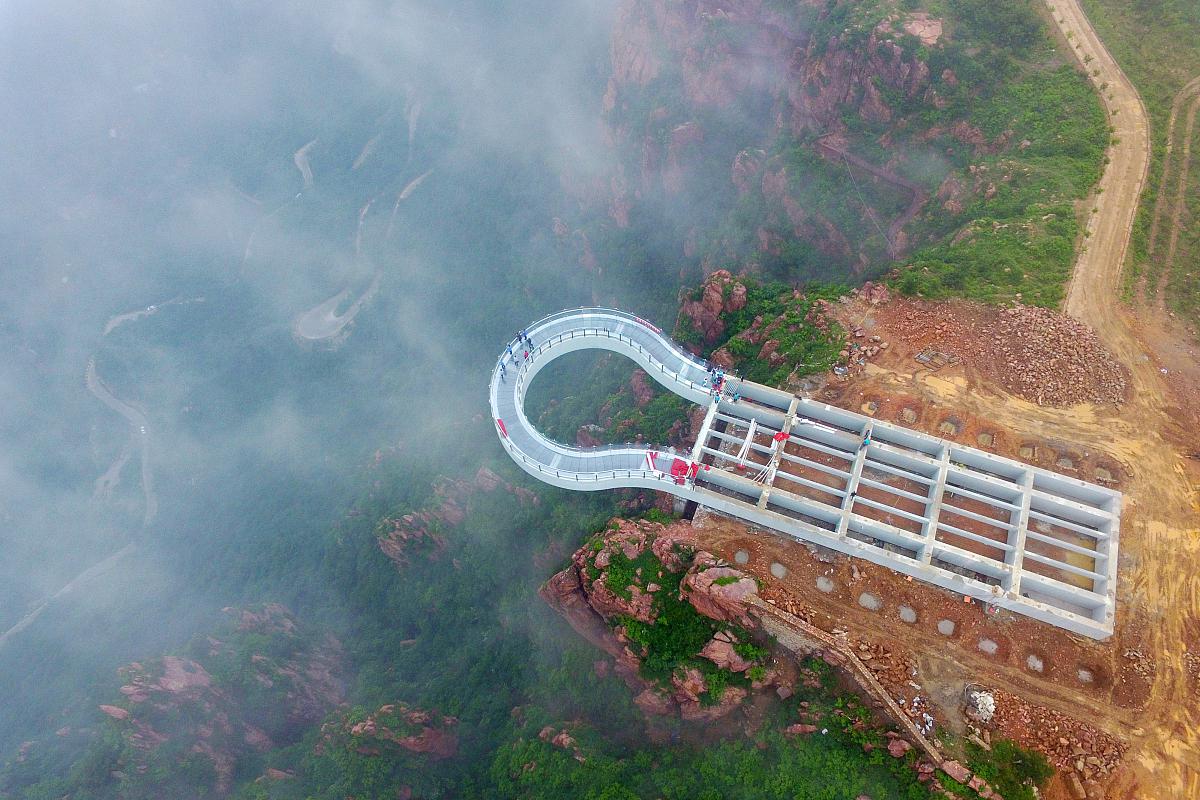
x=1007 y=533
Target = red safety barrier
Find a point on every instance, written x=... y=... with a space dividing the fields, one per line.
x=500 y=425
x=651 y=326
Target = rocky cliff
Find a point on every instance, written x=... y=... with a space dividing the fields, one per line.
x=424 y=531
x=186 y=724
x=783 y=131
x=392 y=728
x=771 y=334
x=673 y=618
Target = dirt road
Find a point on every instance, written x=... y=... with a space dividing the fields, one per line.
x=1179 y=202
x=1161 y=531
x=1095 y=280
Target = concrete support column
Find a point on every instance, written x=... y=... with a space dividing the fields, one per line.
x=1016 y=537
x=773 y=465
x=933 y=505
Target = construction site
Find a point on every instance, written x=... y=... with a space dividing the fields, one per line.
x=968 y=555
x=1108 y=714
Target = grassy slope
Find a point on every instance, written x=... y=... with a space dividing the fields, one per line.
x=1157 y=43
x=1017 y=244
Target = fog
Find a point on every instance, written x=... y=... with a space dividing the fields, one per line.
x=182 y=185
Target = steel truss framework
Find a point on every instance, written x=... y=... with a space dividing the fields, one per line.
x=988 y=527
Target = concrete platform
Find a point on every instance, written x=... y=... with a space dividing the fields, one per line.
x=1009 y=534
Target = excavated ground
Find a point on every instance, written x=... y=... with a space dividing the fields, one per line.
x=1121 y=714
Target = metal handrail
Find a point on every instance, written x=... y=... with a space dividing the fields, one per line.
x=549 y=343
x=653 y=329
x=643 y=356
x=586 y=477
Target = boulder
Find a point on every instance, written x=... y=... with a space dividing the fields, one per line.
x=689 y=685
x=651 y=701
x=719 y=650
x=115 y=712
x=956 y=771
x=694 y=711
x=737 y=298
x=711 y=592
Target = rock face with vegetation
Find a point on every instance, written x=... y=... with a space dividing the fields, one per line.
x=674 y=618
x=189 y=724
x=765 y=332
x=424 y=530
x=815 y=139
x=392 y=728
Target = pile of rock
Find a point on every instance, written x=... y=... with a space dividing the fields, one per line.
x=1035 y=353
x=859 y=348
x=1074 y=747
x=894 y=671
x=981 y=705
x=1055 y=360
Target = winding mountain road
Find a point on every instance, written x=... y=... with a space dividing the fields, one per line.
x=1164 y=758
x=1095 y=281
x=138 y=423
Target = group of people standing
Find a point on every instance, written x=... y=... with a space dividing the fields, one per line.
x=716 y=384
x=523 y=343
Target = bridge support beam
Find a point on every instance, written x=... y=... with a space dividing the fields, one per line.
x=950 y=515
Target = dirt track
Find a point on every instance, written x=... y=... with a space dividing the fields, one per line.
x=1160 y=203
x=1161 y=530
x=1095 y=280
x=1150 y=698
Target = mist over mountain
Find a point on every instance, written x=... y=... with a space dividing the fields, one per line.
x=181 y=185
x=257 y=537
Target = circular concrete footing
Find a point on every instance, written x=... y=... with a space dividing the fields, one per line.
x=1034 y=663
x=869 y=601
x=988 y=646
x=1085 y=676
x=825 y=584
x=741 y=557
x=946 y=627
x=778 y=570
x=908 y=614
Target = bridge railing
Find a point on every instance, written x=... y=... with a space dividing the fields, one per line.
x=552 y=341
x=657 y=332
x=599 y=476
x=606 y=333
x=593 y=331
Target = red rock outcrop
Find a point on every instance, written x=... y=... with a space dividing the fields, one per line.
x=295 y=680
x=639 y=384
x=581 y=592
x=675 y=66
x=721 y=652
x=720 y=293
x=394 y=726
x=833 y=73
x=115 y=712
x=400 y=537
x=719 y=592
x=563 y=740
